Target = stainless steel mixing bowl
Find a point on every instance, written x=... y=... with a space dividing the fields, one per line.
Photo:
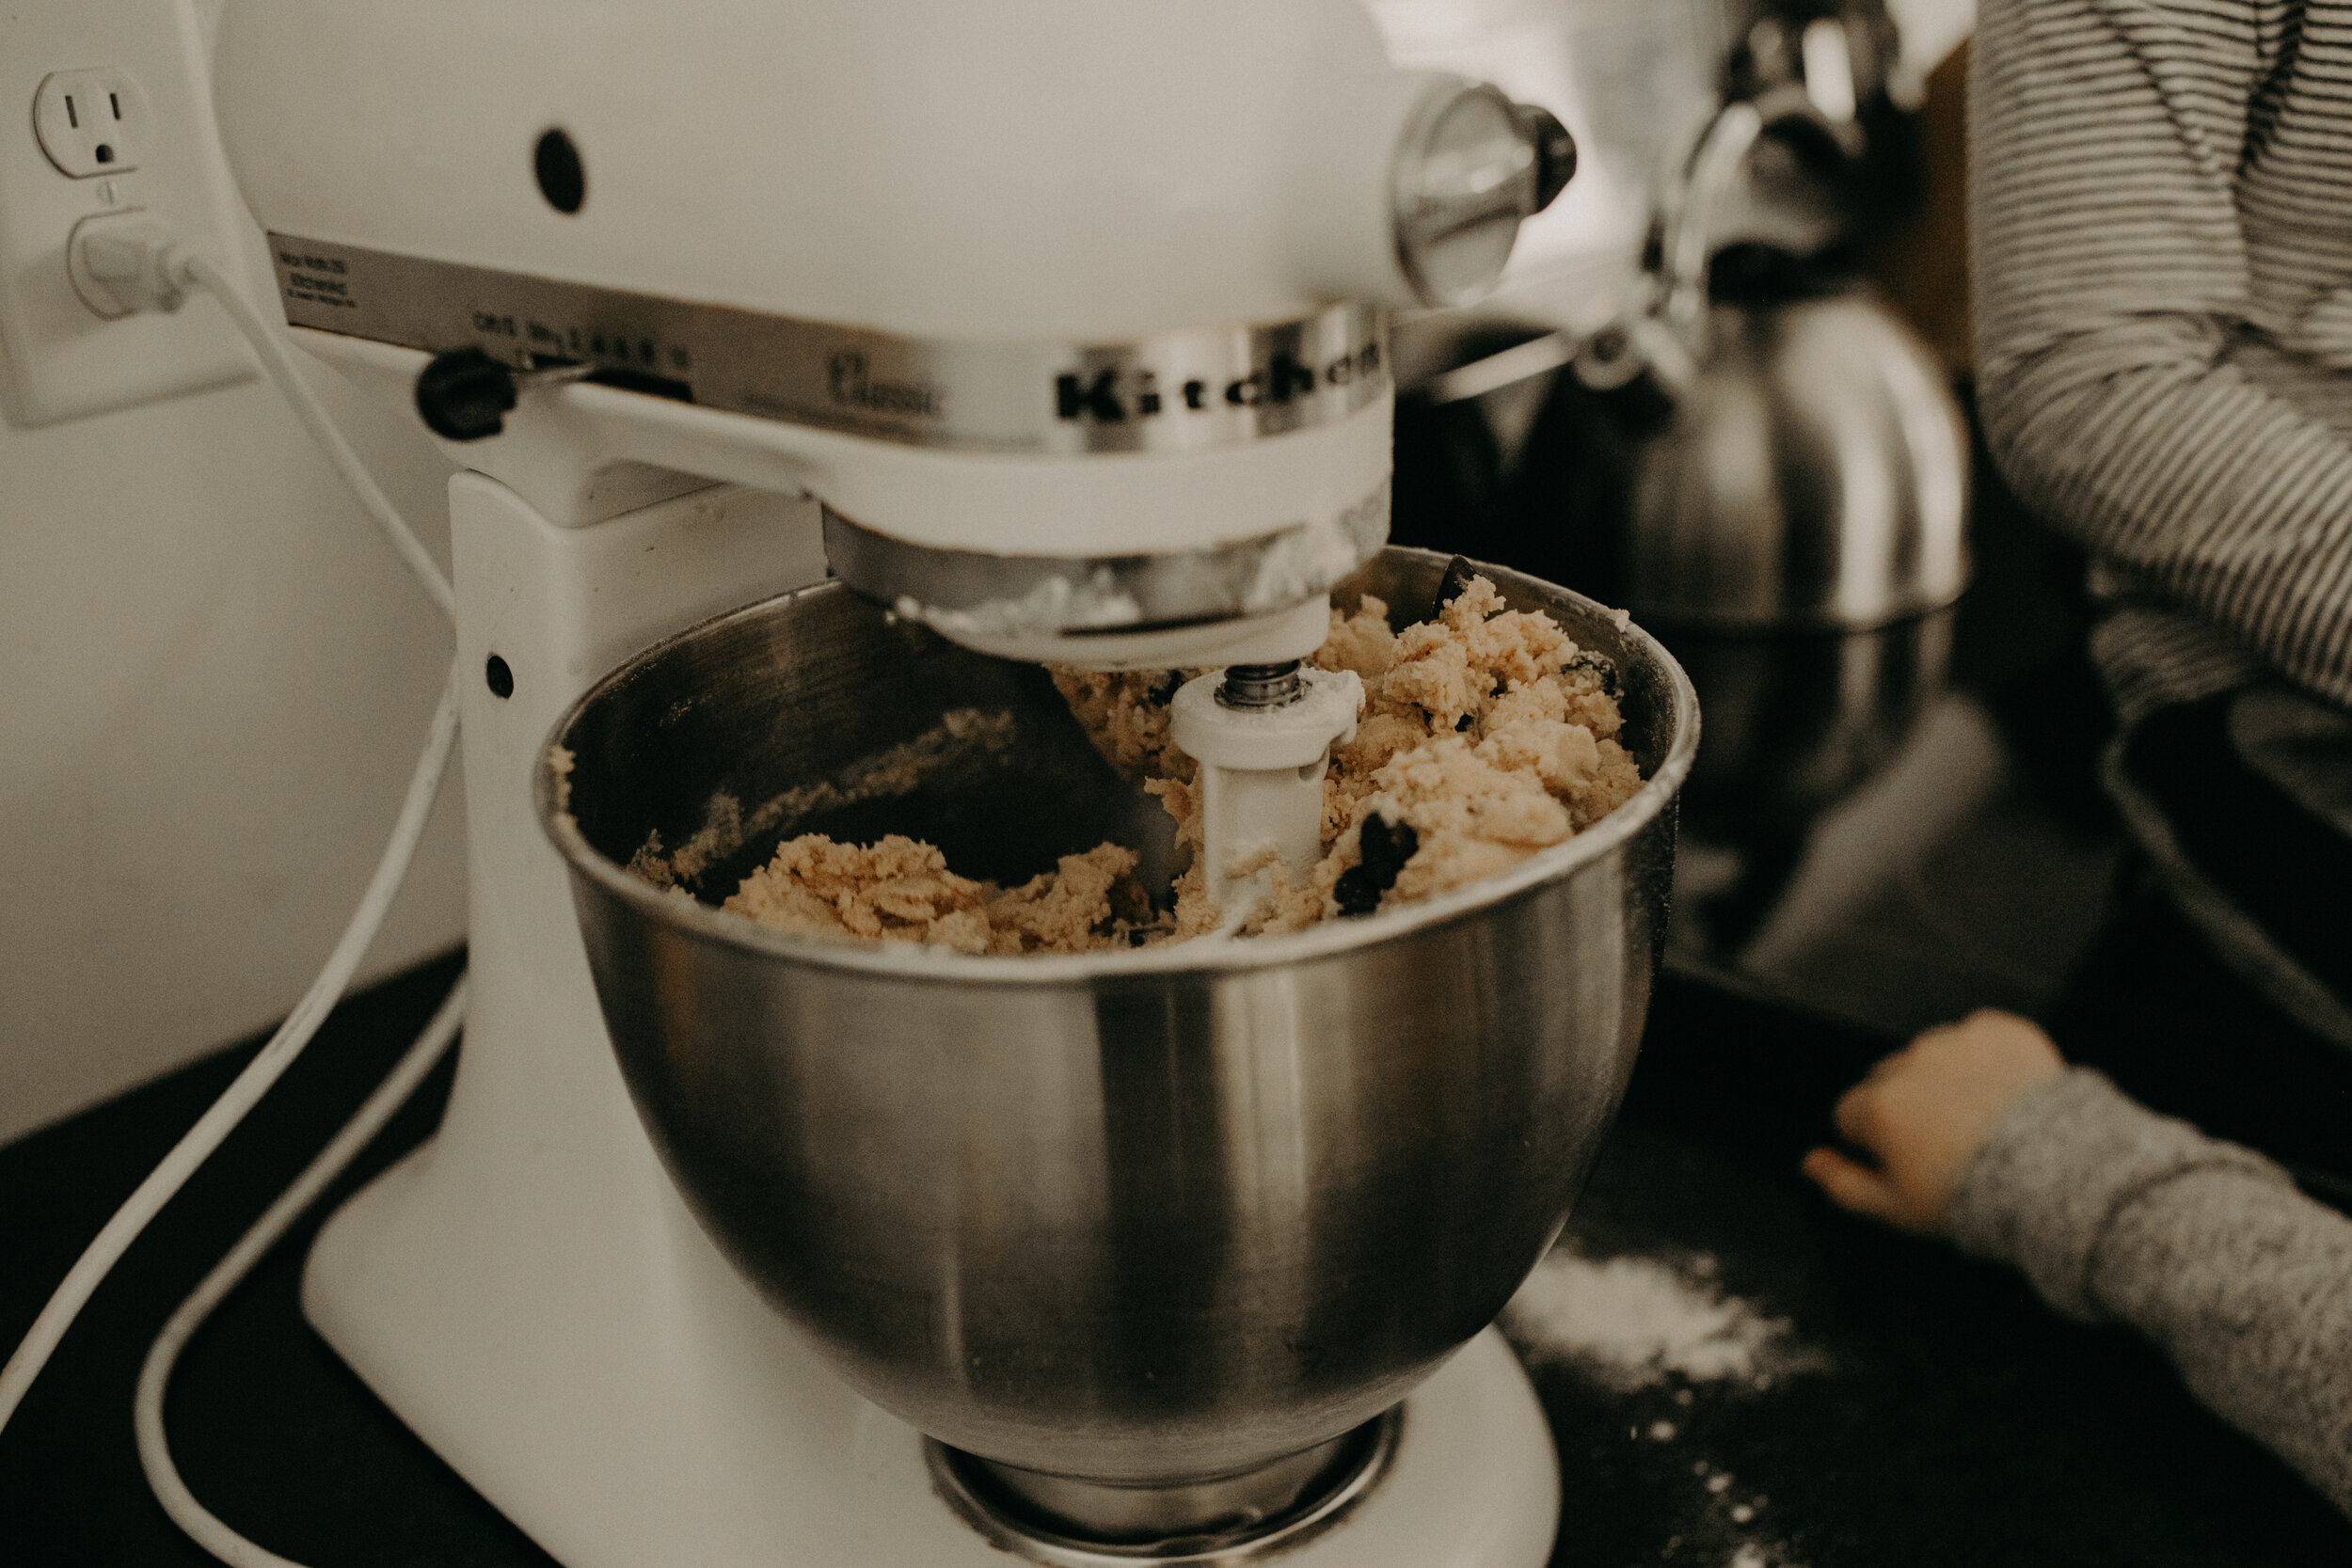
x=1156 y=1216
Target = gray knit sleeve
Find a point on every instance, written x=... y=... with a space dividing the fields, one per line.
x=2114 y=1212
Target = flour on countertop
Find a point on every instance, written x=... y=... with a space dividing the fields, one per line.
x=1633 y=1323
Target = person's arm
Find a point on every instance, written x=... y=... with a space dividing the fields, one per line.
x=1981 y=1133
x=2110 y=277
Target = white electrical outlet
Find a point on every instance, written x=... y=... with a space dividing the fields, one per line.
x=91 y=123
x=106 y=107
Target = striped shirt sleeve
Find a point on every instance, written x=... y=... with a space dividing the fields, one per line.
x=2115 y=303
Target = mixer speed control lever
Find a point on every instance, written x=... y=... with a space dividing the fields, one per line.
x=465 y=395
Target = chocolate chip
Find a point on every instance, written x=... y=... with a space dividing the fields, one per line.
x=1463 y=723
x=1385 y=848
x=1601 y=665
x=1458 y=573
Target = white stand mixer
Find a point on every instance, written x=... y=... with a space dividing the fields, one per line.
x=1039 y=300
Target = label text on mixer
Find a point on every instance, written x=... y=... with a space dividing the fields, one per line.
x=1113 y=396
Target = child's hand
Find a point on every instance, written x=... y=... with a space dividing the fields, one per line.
x=1923 y=1111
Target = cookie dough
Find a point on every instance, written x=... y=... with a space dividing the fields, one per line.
x=1487 y=735
x=898 y=889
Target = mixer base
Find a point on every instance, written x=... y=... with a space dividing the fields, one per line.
x=689 y=1423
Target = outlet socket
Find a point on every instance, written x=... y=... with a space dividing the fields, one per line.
x=128 y=77
x=91 y=123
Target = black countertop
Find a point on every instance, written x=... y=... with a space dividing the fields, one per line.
x=1933 y=1412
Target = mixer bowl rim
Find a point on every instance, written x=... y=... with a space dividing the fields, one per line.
x=916 y=961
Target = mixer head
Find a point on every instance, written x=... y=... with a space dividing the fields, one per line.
x=1073 y=315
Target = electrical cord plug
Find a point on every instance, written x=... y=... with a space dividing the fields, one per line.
x=123 y=263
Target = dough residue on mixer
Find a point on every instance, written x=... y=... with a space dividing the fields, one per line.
x=1487 y=735
x=965 y=741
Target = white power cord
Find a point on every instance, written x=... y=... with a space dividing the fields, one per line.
x=147 y=1406
x=264 y=1069
x=131 y=261
x=142 y=269
x=278 y=362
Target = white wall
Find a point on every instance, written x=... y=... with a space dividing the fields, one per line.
x=213 y=680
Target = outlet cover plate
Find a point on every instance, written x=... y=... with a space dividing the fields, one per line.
x=58 y=360
x=91 y=123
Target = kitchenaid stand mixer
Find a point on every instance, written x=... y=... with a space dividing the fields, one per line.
x=1030 y=308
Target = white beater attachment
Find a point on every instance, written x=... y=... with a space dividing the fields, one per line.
x=1262 y=734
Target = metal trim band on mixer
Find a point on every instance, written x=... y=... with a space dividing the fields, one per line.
x=1185 y=390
